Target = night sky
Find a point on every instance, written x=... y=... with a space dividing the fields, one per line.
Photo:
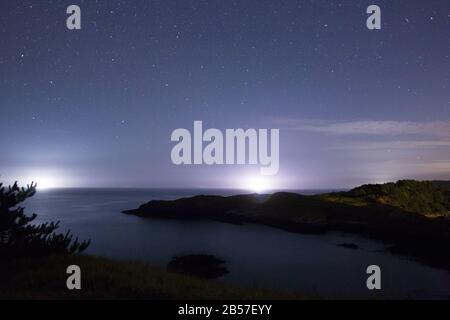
x=96 y=107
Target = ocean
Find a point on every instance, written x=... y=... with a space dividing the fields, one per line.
x=255 y=255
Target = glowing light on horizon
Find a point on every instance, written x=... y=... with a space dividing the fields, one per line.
x=258 y=184
x=44 y=181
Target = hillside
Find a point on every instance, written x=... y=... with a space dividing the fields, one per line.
x=419 y=197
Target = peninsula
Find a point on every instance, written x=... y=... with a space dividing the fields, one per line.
x=413 y=217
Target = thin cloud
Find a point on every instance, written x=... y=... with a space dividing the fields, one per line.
x=380 y=128
x=394 y=145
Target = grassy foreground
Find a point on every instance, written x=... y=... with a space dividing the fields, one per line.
x=45 y=278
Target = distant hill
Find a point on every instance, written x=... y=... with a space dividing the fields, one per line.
x=421 y=197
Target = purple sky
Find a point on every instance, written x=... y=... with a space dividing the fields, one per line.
x=96 y=107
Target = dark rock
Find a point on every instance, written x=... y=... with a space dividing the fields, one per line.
x=348 y=245
x=198 y=265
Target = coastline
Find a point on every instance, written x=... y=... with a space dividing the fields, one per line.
x=418 y=235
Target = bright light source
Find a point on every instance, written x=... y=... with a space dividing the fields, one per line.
x=46 y=181
x=257 y=184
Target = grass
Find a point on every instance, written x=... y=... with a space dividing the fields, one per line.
x=45 y=278
x=355 y=202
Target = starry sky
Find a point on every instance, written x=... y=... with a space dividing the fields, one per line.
x=96 y=107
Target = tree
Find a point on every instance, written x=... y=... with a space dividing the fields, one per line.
x=19 y=237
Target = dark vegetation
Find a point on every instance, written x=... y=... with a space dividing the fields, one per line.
x=423 y=198
x=45 y=278
x=20 y=238
x=413 y=216
x=445 y=185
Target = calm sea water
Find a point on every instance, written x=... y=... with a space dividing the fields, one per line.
x=256 y=255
